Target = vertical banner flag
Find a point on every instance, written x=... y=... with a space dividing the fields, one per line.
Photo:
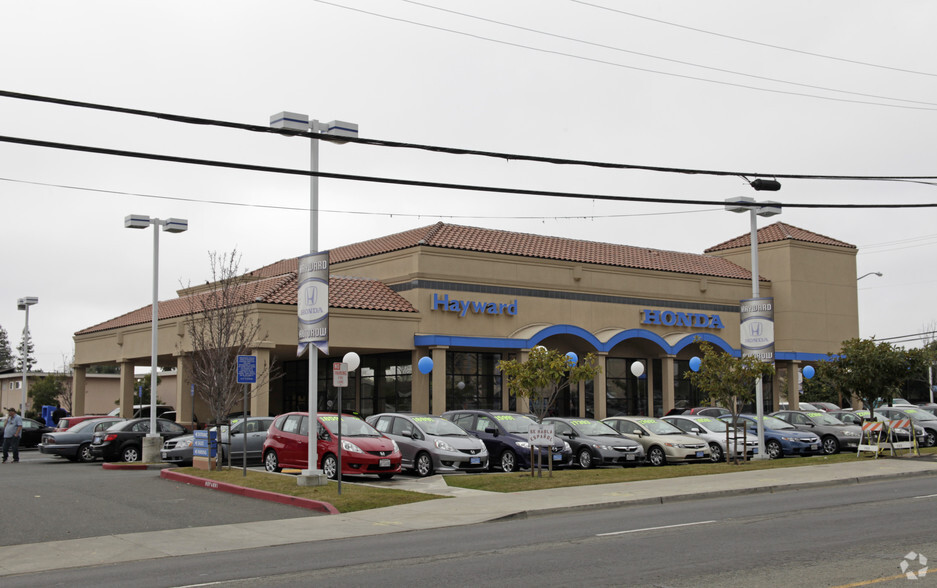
x=757 y=332
x=313 y=302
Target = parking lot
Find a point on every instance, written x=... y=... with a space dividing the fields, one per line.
x=48 y=499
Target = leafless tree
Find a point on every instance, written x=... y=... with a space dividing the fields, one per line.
x=221 y=326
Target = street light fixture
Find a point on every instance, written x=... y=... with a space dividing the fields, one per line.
x=152 y=442
x=766 y=209
x=23 y=304
x=300 y=123
x=879 y=274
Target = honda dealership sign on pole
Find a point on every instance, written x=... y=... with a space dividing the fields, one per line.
x=757 y=332
x=313 y=301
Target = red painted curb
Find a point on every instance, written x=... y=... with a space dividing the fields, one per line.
x=124 y=466
x=317 y=505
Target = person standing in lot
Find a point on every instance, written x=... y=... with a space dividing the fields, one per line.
x=11 y=435
x=58 y=413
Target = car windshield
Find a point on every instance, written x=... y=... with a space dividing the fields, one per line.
x=434 y=425
x=515 y=423
x=822 y=418
x=83 y=425
x=351 y=426
x=591 y=427
x=770 y=422
x=659 y=427
x=712 y=425
x=918 y=414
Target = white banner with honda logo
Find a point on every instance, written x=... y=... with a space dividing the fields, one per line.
x=757 y=328
x=312 y=301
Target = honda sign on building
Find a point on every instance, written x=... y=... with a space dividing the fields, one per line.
x=757 y=328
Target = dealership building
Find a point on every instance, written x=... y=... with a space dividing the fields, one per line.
x=470 y=297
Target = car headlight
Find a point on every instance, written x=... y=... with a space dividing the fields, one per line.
x=604 y=447
x=853 y=433
x=184 y=443
x=792 y=439
x=396 y=449
x=440 y=444
x=522 y=444
x=566 y=447
x=352 y=448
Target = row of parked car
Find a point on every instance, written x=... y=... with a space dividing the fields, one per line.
x=479 y=440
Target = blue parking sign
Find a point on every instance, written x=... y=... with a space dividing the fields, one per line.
x=247 y=369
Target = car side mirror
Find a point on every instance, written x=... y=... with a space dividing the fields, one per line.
x=637 y=432
x=492 y=431
x=695 y=431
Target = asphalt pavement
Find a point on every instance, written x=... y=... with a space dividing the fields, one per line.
x=462 y=507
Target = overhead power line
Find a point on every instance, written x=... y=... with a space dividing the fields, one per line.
x=621 y=65
x=667 y=59
x=424 y=184
x=455 y=150
x=753 y=42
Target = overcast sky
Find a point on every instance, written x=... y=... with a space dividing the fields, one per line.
x=820 y=88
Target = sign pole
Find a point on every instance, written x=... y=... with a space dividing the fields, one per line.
x=244 y=436
x=246 y=374
x=339 y=380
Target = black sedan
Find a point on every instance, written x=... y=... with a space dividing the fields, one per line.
x=595 y=443
x=32 y=432
x=124 y=441
x=75 y=443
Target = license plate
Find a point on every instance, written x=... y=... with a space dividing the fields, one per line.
x=754 y=451
x=384 y=463
x=813 y=447
x=629 y=457
x=163 y=454
x=557 y=457
x=699 y=454
x=475 y=460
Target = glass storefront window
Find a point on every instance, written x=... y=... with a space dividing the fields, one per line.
x=473 y=380
x=625 y=394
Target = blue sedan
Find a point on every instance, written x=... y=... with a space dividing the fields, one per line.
x=780 y=438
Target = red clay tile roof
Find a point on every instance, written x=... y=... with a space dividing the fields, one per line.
x=779 y=232
x=510 y=243
x=280 y=289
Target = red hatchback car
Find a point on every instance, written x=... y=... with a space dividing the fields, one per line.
x=364 y=449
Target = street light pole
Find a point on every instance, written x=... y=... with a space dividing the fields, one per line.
x=879 y=274
x=152 y=441
x=312 y=475
x=24 y=304
x=767 y=209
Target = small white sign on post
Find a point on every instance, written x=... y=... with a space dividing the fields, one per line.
x=541 y=434
x=340 y=375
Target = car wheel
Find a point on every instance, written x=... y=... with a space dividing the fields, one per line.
x=130 y=453
x=715 y=453
x=423 y=465
x=385 y=476
x=84 y=453
x=585 y=459
x=656 y=456
x=830 y=445
x=930 y=437
x=330 y=466
x=271 y=463
x=773 y=450
x=508 y=461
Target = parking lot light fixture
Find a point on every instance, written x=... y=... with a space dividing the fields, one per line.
x=767 y=209
x=152 y=442
x=337 y=131
x=23 y=304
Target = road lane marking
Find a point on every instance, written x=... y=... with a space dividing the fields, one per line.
x=654 y=528
x=869 y=582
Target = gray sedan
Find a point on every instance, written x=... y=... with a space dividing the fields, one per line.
x=180 y=451
x=75 y=443
x=432 y=444
x=835 y=435
x=594 y=443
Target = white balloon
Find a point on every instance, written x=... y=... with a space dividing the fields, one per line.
x=352 y=359
x=637 y=368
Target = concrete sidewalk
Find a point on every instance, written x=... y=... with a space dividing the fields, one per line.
x=464 y=507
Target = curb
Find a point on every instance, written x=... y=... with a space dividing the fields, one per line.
x=307 y=503
x=525 y=514
x=135 y=466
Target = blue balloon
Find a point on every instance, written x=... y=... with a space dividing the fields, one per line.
x=425 y=365
x=572 y=358
x=809 y=372
x=695 y=362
